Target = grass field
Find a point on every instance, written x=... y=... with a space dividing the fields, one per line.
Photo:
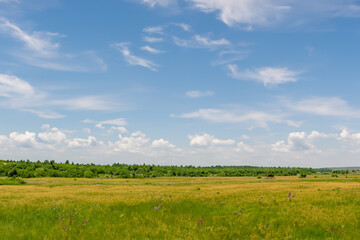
x=182 y=208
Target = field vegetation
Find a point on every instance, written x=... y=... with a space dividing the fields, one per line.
x=289 y=207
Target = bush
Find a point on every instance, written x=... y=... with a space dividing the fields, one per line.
x=334 y=175
x=259 y=177
x=302 y=175
x=88 y=174
x=12 y=181
x=12 y=173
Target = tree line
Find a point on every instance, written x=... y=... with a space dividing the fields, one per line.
x=28 y=169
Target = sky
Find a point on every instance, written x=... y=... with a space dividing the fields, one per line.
x=181 y=82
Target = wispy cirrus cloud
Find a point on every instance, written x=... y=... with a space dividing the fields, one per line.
x=41 y=50
x=231 y=12
x=198 y=94
x=323 y=106
x=21 y=95
x=153 y=39
x=269 y=76
x=253 y=118
x=123 y=48
x=151 y=50
x=154 y=30
x=199 y=41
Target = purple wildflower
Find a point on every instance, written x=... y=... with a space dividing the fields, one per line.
x=267 y=225
x=156 y=208
x=236 y=213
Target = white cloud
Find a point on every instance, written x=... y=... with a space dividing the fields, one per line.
x=161 y=3
x=156 y=30
x=153 y=39
x=324 y=106
x=134 y=143
x=256 y=118
x=38 y=42
x=267 y=75
x=132 y=59
x=346 y=135
x=161 y=143
x=21 y=95
x=198 y=94
x=198 y=41
x=297 y=141
x=11 y=86
x=208 y=140
x=113 y=122
x=53 y=135
x=40 y=50
x=242 y=147
x=26 y=140
x=184 y=26
x=83 y=142
x=44 y=113
x=151 y=50
x=253 y=12
x=84 y=103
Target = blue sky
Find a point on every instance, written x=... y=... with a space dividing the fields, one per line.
x=200 y=82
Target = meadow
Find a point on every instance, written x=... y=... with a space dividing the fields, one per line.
x=321 y=207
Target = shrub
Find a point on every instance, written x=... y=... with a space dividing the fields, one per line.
x=12 y=173
x=88 y=174
x=259 y=177
x=302 y=175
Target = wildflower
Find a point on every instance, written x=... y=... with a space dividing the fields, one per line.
x=326 y=230
x=289 y=194
x=85 y=221
x=64 y=228
x=160 y=207
x=267 y=225
x=236 y=213
x=156 y=208
x=200 y=221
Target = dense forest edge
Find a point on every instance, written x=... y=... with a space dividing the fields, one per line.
x=28 y=169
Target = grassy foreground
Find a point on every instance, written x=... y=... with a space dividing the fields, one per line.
x=182 y=208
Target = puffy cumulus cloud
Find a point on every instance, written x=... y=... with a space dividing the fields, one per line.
x=297 y=141
x=25 y=140
x=269 y=76
x=248 y=12
x=84 y=142
x=161 y=143
x=134 y=143
x=208 y=140
x=346 y=135
x=242 y=147
x=52 y=135
x=315 y=134
x=123 y=48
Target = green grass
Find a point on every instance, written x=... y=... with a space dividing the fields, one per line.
x=323 y=208
x=12 y=181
